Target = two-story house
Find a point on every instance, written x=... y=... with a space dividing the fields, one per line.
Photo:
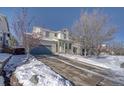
x=55 y=41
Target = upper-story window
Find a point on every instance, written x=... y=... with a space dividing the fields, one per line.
x=1 y=38
x=64 y=36
x=47 y=34
x=55 y=34
x=64 y=30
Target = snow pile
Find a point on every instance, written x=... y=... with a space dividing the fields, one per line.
x=15 y=61
x=4 y=57
x=38 y=74
x=1 y=81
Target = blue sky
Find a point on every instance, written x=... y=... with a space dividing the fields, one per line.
x=58 y=18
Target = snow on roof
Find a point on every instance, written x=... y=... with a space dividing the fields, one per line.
x=27 y=33
x=49 y=30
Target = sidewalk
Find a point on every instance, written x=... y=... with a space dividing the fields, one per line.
x=3 y=59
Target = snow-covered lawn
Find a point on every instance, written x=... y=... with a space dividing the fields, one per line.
x=111 y=62
x=4 y=56
x=37 y=73
x=33 y=72
x=108 y=62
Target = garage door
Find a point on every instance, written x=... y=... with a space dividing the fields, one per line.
x=42 y=50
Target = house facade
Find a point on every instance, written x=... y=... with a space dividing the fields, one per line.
x=4 y=32
x=56 y=41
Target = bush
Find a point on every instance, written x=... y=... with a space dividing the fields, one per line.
x=7 y=50
x=18 y=51
x=15 y=51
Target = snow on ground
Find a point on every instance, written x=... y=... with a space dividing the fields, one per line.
x=1 y=81
x=4 y=56
x=37 y=73
x=15 y=61
x=109 y=62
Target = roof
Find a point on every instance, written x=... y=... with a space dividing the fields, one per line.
x=27 y=33
x=45 y=29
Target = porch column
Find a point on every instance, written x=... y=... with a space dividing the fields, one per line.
x=64 y=47
x=68 y=50
x=58 y=47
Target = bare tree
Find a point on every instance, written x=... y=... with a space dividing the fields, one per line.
x=93 y=29
x=22 y=24
x=117 y=47
x=32 y=40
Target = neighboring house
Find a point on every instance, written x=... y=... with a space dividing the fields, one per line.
x=55 y=41
x=12 y=42
x=4 y=32
x=105 y=49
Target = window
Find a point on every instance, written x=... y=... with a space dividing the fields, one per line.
x=47 y=34
x=7 y=42
x=64 y=36
x=60 y=44
x=55 y=34
x=1 y=38
x=8 y=35
x=64 y=30
x=70 y=45
x=66 y=46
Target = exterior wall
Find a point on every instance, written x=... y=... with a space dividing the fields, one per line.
x=60 y=43
x=61 y=34
x=4 y=32
x=13 y=42
x=64 y=46
x=41 y=32
x=52 y=44
x=51 y=36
